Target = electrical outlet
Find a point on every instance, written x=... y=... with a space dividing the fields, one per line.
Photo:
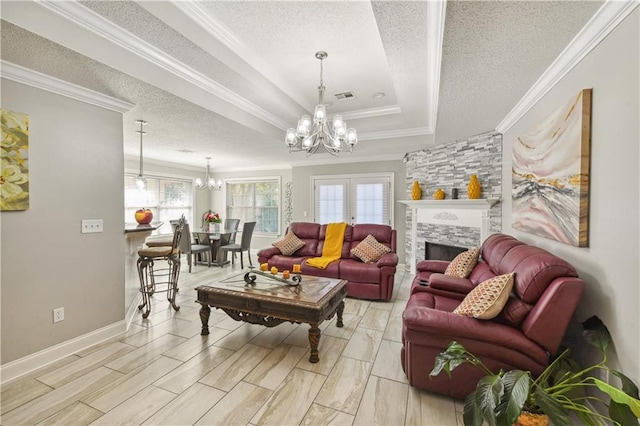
x=58 y=314
x=91 y=225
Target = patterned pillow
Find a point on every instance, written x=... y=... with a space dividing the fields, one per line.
x=487 y=299
x=463 y=263
x=370 y=250
x=289 y=244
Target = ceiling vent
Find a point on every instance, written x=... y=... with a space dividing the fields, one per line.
x=186 y=151
x=345 y=95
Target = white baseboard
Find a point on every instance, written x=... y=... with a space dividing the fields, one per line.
x=132 y=311
x=29 y=363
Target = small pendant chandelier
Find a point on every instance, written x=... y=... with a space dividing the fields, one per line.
x=208 y=182
x=309 y=136
x=141 y=182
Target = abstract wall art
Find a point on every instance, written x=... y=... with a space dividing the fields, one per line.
x=14 y=173
x=550 y=173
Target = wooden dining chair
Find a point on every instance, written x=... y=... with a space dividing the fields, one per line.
x=245 y=243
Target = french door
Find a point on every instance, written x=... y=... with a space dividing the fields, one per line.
x=353 y=199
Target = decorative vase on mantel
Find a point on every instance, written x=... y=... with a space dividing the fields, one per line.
x=473 y=188
x=416 y=191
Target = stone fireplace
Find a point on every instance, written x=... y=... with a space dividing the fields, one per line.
x=450 y=166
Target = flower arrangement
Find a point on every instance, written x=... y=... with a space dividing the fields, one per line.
x=212 y=218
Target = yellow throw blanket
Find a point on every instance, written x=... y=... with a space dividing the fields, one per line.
x=332 y=248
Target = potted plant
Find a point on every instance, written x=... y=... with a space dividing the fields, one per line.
x=506 y=398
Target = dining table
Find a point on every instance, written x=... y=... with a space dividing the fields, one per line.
x=217 y=240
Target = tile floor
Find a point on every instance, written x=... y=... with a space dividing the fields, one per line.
x=163 y=372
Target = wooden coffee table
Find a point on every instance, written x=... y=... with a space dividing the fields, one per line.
x=271 y=302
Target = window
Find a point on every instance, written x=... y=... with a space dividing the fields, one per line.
x=168 y=198
x=255 y=200
x=353 y=199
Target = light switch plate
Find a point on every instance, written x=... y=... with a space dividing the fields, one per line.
x=91 y=225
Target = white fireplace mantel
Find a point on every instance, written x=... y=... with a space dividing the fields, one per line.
x=472 y=213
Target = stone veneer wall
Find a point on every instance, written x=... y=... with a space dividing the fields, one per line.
x=450 y=166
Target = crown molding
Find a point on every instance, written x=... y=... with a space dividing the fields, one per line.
x=599 y=26
x=371 y=112
x=91 y=21
x=20 y=74
x=436 y=14
x=399 y=133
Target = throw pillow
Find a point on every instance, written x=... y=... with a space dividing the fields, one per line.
x=370 y=250
x=289 y=244
x=462 y=265
x=487 y=299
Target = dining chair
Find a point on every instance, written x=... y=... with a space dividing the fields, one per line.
x=232 y=224
x=245 y=244
x=201 y=246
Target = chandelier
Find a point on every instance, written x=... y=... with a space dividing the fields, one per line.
x=208 y=182
x=309 y=136
x=141 y=182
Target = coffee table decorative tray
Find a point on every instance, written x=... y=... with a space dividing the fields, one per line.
x=250 y=277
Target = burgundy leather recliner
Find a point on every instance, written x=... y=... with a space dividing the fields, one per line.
x=529 y=329
x=364 y=280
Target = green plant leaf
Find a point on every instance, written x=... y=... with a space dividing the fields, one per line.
x=516 y=392
x=488 y=394
x=621 y=414
x=596 y=333
x=619 y=396
x=551 y=407
x=628 y=386
x=472 y=415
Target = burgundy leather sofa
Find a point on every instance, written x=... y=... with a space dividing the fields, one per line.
x=531 y=326
x=364 y=280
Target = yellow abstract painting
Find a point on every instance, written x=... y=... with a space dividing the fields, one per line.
x=14 y=174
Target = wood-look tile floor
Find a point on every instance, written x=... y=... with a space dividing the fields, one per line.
x=163 y=372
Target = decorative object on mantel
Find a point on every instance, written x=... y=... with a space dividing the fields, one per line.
x=416 y=191
x=473 y=188
x=208 y=182
x=454 y=193
x=309 y=136
x=144 y=216
x=550 y=174
x=14 y=173
x=438 y=194
x=141 y=182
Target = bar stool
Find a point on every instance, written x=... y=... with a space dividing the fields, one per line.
x=153 y=280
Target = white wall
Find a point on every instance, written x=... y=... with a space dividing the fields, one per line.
x=76 y=172
x=610 y=265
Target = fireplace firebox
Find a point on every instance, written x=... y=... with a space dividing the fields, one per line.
x=435 y=251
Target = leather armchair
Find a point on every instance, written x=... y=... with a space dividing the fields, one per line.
x=528 y=330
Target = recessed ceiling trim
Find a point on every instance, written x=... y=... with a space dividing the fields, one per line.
x=32 y=78
x=371 y=112
x=89 y=20
x=400 y=133
x=599 y=26
x=436 y=13
x=220 y=32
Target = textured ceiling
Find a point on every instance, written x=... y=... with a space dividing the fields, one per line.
x=251 y=70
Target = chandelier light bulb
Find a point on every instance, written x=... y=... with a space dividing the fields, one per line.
x=309 y=136
x=198 y=182
x=141 y=182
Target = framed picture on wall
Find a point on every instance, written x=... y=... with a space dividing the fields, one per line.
x=550 y=174
x=14 y=173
